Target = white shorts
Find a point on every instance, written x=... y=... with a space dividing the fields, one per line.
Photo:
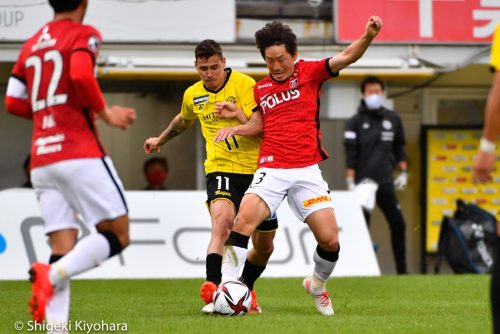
x=87 y=187
x=305 y=188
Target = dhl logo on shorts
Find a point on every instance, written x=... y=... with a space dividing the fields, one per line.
x=316 y=200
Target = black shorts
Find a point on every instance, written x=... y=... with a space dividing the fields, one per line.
x=227 y=186
x=232 y=187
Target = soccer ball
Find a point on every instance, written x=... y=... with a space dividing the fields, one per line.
x=232 y=298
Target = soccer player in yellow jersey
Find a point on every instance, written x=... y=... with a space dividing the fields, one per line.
x=230 y=164
x=485 y=163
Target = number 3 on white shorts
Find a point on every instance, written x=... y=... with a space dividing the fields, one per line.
x=259 y=178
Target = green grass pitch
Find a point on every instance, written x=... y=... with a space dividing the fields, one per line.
x=388 y=304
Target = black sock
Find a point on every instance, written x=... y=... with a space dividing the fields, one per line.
x=54 y=258
x=214 y=265
x=115 y=245
x=251 y=273
x=327 y=255
x=237 y=239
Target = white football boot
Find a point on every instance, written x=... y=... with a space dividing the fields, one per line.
x=321 y=298
x=208 y=309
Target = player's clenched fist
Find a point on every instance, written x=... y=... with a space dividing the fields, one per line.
x=374 y=25
x=152 y=144
x=483 y=166
x=225 y=109
x=119 y=117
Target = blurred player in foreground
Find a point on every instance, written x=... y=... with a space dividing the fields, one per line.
x=485 y=161
x=291 y=149
x=53 y=84
x=223 y=98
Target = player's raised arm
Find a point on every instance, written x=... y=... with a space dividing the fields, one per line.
x=177 y=126
x=251 y=128
x=357 y=48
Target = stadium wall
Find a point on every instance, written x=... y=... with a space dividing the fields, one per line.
x=170 y=231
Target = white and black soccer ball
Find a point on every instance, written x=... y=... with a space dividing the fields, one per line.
x=232 y=298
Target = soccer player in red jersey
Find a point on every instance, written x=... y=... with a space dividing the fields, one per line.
x=223 y=98
x=53 y=83
x=291 y=149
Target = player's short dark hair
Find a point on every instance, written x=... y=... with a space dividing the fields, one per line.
x=369 y=80
x=155 y=160
x=207 y=48
x=276 y=33
x=60 y=6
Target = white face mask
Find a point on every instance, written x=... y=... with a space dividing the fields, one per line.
x=373 y=102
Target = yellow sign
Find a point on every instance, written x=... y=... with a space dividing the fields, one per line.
x=450 y=155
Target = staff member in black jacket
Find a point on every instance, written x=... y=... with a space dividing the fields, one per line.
x=375 y=142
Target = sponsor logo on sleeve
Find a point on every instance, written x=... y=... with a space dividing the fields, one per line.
x=93 y=44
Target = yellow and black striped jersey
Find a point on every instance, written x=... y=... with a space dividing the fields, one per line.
x=495 y=50
x=235 y=155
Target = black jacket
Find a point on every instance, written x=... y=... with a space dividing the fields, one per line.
x=374 y=142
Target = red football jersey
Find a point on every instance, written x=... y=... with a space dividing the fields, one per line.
x=290 y=112
x=63 y=125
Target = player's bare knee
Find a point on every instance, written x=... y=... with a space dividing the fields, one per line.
x=264 y=250
x=63 y=241
x=263 y=241
x=221 y=228
x=331 y=245
x=124 y=239
x=61 y=250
